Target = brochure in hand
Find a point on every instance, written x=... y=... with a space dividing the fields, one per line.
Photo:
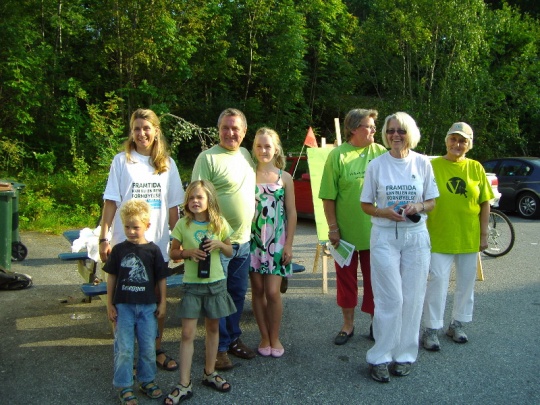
x=343 y=254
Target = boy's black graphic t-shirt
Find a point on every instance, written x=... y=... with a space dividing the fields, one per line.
x=137 y=268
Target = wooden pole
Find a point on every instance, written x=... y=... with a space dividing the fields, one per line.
x=338 y=131
x=479 y=268
x=324 y=271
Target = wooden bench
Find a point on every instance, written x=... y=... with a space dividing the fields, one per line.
x=298 y=268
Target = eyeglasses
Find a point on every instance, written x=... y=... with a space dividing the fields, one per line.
x=392 y=131
x=370 y=127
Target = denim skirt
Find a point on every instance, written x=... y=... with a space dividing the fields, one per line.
x=206 y=300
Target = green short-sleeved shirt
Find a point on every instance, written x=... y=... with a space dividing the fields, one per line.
x=233 y=175
x=454 y=223
x=342 y=181
x=190 y=237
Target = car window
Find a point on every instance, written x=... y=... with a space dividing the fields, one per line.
x=524 y=170
x=301 y=169
x=288 y=165
x=513 y=168
x=490 y=166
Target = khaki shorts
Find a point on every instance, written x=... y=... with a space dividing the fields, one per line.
x=206 y=300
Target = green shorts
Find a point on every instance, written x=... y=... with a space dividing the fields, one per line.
x=206 y=300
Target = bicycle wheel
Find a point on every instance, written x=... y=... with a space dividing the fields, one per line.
x=501 y=234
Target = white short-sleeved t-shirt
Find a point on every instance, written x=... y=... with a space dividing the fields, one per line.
x=136 y=179
x=390 y=180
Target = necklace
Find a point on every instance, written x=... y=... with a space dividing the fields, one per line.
x=358 y=149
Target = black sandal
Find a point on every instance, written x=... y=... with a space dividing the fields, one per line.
x=127 y=395
x=165 y=364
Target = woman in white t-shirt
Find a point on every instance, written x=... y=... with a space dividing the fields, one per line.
x=399 y=189
x=143 y=170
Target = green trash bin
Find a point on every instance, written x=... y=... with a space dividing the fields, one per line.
x=6 y=223
x=18 y=250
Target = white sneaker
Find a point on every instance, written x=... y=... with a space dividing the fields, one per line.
x=455 y=331
x=430 y=340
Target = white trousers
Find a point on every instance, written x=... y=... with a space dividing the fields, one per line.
x=437 y=288
x=399 y=269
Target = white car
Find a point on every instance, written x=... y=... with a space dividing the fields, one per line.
x=492 y=179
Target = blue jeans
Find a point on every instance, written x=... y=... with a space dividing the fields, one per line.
x=236 y=270
x=135 y=320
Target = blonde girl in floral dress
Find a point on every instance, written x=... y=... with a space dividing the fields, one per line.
x=272 y=234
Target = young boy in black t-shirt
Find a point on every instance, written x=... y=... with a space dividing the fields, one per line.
x=134 y=268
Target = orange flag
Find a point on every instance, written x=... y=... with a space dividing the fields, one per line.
x=310 y=140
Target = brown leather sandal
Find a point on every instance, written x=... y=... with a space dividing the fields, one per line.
x=239 y=349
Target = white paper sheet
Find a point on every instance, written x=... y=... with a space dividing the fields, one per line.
x=343 y=254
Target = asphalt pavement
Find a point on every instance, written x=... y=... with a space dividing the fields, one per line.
x=57 y=349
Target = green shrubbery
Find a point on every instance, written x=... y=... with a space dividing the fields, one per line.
x=56 y=202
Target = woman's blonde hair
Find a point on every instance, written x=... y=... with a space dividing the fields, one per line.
x=407 y=123
x=159 y=156
x=214 y=213
x=279 y=158
x=135 y=208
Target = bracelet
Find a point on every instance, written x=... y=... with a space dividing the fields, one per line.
x=376 y=214
x=103 y=240
x=423 y=207
x=331 y=225
x=334 y=231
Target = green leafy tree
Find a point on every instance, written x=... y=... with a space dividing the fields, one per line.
x=23 y=56
x=513 y=102
x=426 y=58
x=331 y=60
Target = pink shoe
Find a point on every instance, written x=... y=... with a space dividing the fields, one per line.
x=277 y=352
x=265 y=351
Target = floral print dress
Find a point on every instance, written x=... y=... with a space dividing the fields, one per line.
x=268 y=230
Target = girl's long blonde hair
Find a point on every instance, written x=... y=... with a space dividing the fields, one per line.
x=159 y=156
x=215 y=220
x=279 y=158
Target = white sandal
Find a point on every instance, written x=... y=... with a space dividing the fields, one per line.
x=215 y=381
x=183 y=394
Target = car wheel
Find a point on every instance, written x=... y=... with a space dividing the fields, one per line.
x=528 y=205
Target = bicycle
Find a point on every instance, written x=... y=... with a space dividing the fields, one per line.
x=501 y=234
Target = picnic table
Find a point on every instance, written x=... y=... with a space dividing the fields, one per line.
x=90 y=271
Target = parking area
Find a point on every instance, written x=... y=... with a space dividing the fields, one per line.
x=57 y=349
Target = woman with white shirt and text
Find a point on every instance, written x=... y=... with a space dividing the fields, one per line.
x=399 y=189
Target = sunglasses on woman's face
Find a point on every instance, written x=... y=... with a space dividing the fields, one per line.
x=392 y=131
